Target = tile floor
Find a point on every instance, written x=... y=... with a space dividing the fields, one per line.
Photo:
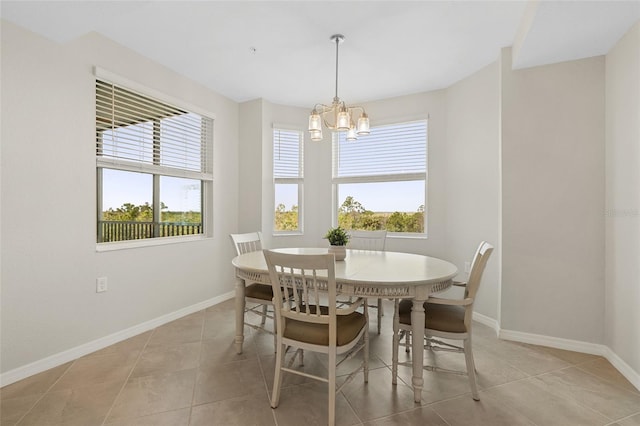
x=187 y=373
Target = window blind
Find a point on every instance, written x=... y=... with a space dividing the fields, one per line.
x=138 y=133
x=287 y=154
x=398 y=149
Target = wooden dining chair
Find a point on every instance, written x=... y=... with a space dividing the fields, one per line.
x=259 y=296
x=449 y=319
x=304 y=323
x=370 y=240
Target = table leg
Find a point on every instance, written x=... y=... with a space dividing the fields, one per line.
x=240 y=305
x=417 y=346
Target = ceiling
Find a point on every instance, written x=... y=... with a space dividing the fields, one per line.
x=280 y=50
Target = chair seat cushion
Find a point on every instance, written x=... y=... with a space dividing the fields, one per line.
x=445 y=318
x=259 y=291
x=348 y=327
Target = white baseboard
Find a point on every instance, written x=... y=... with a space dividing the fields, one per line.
x=629 y=373
x=575 y=346
x=55 y=360
x=488 y=321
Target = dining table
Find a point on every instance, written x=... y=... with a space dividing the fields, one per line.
x=363 y=273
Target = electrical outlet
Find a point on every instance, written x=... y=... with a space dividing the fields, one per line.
x=467 y=267
x=101 y=284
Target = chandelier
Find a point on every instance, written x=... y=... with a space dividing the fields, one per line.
x=338 y=116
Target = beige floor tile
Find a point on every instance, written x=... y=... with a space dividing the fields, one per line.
x=13 y=409
x=165 y=359
x=221 y=349
x=308 y=405
x=604 y=370
x=568 y=356
x=629 y=421
x=490 y=371
x=601 y=396
x=249 y=410
x=94 y=370
x=168 y=418
x=36 y=384
x=183 y=330
x=232 y=380
x=147 y=395
x=437 y=385
x=312 y=365
x=128 y=346
x=527 y=398
x=464 y=411
x=378 y=398
x=423 y=416
x=529 y=361
x=80 y=406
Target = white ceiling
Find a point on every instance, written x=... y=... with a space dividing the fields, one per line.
x=392 y=48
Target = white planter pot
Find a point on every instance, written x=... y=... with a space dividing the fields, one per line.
x=340 y=252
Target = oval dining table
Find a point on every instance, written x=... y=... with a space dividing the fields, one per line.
x=365 y=273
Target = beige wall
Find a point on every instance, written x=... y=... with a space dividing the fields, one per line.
x=552 y=124
x=473 y=178
x=622 y=301
x=49 y=259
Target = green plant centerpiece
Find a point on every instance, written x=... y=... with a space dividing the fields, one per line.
x=338 y=238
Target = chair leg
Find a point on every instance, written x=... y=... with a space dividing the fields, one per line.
x=332 y=387
x=277 y=379
x=396 y=345
x=380 y=314
x=366 y=347
x=471 y=369
x=264 y=315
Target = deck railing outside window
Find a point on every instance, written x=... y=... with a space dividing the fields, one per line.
x=110 y=231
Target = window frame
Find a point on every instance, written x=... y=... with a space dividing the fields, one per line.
x=382 y=178
x=299 y=180
x=205 y=176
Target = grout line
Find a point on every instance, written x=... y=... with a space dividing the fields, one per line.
x=195 y=382
x=46 y=392
x=106 y=416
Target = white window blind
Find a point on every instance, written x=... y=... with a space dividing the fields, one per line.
x=287 y=154
x=398 y=151
x=138 y=133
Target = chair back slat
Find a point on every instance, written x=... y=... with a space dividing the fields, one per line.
x=304 y=277
x=367 y=240
x=247 y=243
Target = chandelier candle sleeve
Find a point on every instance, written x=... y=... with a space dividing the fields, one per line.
x=338 y=116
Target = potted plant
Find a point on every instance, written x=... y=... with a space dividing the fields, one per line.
x=338 y=238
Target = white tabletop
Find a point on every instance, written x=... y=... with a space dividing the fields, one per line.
x=373 y=268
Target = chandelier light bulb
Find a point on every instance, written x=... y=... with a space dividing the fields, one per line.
x=363 y=125
x=351 y=134
x=315 y=123
x=344 y=123
x=316 y=135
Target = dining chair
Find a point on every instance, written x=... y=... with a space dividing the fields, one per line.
x=370 y=240
x=449 y=319
x=311 y=320
x=260 y=296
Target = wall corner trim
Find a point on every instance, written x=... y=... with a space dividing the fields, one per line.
x=576 y=346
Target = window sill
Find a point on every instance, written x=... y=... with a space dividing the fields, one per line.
x=149 y=242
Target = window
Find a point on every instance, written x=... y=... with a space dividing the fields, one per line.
x=288 y=180
x=154 y=166
x=380 y=179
